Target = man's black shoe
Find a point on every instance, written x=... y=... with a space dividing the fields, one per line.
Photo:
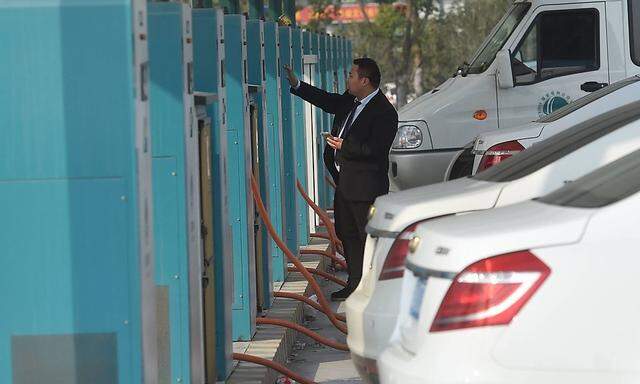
x=342 y=294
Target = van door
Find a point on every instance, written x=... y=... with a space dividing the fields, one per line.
x=560 y=57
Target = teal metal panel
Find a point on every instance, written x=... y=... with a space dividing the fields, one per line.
x=318 y=141
x=276 y=161
x=76 y=226
x=238 y=188
x=334 y=64
x=340 y=65
x=325 y=192
x=171 y=129
x=209 y=76
x=257 y=80
x=300 y=131
x=288 y=145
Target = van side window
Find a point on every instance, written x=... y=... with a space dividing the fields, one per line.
x=634 y=30
x=558 y=43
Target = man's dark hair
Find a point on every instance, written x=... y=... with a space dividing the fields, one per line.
x=368 y=68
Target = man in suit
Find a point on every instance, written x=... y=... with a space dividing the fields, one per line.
x=356 y=154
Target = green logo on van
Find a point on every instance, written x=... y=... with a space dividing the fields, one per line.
x=552 y=101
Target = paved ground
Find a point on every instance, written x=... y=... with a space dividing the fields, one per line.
x=316 y=361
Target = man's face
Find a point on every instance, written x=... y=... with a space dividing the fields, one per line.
x=355 y=83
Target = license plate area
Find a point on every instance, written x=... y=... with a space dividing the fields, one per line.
x=416 y=299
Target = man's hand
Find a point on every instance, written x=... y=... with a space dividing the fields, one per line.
x=334 y=142
x=293 y=80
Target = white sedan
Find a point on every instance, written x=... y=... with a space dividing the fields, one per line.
x=373 y=307
x=538 y=292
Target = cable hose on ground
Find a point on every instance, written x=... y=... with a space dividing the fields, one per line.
x=336 y=244
x=326 y=254
x=297 y=327
x=273 y=365
x=295 y=296
x=262 y=211
x=321 y=274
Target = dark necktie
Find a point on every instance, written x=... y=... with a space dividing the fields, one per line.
x=347 y=126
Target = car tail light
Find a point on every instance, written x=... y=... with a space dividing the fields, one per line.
x=498 y=153
x=491 y=291
x=393 y=266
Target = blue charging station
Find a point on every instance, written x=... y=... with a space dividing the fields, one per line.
x=288 y=144
x=77 y=220
x=315 y=155
x=209 y=80
x=176 y=192
x=299 y=131
x=274 y=150
x=261 y=166
x=239 y=164
x=324 y=192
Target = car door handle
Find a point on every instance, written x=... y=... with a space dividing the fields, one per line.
x=592 y=86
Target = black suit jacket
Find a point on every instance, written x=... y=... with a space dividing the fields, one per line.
x=364 y=157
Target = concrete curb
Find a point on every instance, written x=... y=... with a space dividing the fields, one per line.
x=273 y=342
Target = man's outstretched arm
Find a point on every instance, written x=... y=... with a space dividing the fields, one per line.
x=328 y=102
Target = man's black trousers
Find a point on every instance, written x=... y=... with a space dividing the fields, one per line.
x=350 y=221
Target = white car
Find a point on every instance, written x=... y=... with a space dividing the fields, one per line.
x=372 y=308
x=493 y=147
x=538 y=292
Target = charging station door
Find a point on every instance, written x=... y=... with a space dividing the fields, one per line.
x=274 y=150
x=239 y=189
x=300 y=140
x=288 y=144
x=77 y=214
x=209 y=78
x=262 y=168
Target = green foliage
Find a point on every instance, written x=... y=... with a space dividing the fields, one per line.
x=417 y=46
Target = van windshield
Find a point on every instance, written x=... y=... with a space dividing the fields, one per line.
x=586 y=100
x=496 y=39
x=604 y=186
x=561 y=144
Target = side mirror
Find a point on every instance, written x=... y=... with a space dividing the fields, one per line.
x=504 y=73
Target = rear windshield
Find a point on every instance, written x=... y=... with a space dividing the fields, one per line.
x=581 y=102
x=557 y=146
x=602 y=187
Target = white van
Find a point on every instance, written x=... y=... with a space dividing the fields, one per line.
x=493 y=147
x=541 y=55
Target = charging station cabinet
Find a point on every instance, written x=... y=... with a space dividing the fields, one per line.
x=260 y=164
x=288 y=144
x=77 y=218
x=325 y=195
x=300 y=133
x=274 y=150
x=176 y=191
x=312 y=128
x=241 y=207
x=209 y=79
